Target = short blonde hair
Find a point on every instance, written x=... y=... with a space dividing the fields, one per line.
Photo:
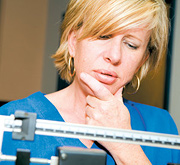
x=103 y=17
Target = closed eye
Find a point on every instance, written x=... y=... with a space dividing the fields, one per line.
x=131 y=46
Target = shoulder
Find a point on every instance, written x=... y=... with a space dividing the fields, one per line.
x=148 y=110
x=156 y=119
x=35 y=103
x=25 y=104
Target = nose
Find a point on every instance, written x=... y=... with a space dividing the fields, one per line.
x=114 y=54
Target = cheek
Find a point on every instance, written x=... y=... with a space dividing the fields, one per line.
x=130 y=65
x=128 y=68
x=135 y=61
x=85 y=56
x=82 y=62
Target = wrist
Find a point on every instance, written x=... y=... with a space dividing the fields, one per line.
x=128 y=154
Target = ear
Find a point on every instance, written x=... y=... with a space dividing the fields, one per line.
x=72 y=43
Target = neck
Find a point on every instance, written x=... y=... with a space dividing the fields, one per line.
x=72 y=103
x=77 y=95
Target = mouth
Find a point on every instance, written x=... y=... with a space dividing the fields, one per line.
x=105 y=76
x=108 y=73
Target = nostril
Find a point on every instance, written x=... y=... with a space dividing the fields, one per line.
x=108 y=59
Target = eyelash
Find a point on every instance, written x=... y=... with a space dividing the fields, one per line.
x=131 y=46
x=105 y=37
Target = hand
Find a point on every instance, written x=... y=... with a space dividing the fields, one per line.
x=104 y=108
x=108 y=110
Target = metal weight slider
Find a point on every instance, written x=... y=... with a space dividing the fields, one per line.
x=28 y=126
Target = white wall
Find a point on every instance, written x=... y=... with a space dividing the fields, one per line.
x=174 y=105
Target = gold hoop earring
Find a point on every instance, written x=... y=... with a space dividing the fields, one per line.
x=70 y=66
x=137 y=88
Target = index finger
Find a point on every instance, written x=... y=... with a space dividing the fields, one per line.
x=99 y=90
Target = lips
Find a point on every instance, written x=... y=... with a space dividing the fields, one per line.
x=105 y=76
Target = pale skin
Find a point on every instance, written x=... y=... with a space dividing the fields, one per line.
x=103 y=67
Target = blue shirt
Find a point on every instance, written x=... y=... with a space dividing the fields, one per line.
x=143 y=117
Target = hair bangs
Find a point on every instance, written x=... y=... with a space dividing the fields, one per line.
x=117 y=16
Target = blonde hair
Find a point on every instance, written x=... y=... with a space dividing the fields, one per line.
x=103 y=17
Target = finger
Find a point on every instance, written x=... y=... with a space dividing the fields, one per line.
x=99 y=90
x=90 y=112
x=88 y=121
x=92 y=101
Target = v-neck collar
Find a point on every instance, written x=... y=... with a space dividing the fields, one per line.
x=46 y=110
x=46 y=107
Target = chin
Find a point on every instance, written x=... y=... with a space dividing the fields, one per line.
x=111 y=88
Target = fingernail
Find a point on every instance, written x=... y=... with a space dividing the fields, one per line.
x=87 y=118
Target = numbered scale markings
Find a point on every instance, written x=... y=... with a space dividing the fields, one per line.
x=62 y=129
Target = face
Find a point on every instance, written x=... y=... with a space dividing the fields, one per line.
x=113 y=59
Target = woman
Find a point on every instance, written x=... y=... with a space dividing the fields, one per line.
x=105 y=45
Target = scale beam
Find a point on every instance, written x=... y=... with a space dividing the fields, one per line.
x=25 y=125
x=62 y=129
